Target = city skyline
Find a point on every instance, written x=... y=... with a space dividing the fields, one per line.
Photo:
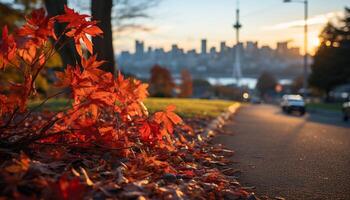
x=284 y=61
x=186 y=22
x=204 y=47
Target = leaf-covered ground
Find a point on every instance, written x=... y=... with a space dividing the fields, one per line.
x=198 y=170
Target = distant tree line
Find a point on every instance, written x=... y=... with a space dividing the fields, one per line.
x=163 y=85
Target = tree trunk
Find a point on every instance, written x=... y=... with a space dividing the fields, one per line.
x=68 y=53
x=101 y=11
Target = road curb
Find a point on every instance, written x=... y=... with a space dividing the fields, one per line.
x=219 y=121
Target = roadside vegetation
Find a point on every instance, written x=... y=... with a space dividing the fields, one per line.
x=325 y=106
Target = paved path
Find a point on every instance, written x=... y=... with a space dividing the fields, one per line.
x=290 y=156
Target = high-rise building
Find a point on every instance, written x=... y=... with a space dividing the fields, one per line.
x=251 y=46
x=139 y=49
x=213 y=51
x=282 y=47
x=174 y=50
x=222 y=47
x=204 y=46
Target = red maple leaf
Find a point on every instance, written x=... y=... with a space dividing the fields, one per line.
x=168 y=118
x=66 y=189
x=20 y=93
x=7 y=48
x=79 y=28
x=71 y=17
x=27 y=51
x=66 y=78
x=38 y=27
x=91 y=67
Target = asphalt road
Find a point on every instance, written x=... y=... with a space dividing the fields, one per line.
x=290 y=156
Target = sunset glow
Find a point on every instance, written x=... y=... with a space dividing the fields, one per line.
x=186 y=22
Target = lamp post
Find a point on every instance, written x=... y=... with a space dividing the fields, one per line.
x=305 y=74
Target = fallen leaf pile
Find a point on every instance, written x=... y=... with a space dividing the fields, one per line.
x=195 y=170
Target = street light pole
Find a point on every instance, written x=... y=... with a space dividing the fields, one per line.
x=305 y=73
x=305 y=82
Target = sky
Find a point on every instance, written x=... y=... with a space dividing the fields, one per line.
x=186 y=22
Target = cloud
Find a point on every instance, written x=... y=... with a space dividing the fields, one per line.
x=314 y=20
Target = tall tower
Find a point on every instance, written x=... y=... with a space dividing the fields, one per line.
x=237 y=72
x=204 y=46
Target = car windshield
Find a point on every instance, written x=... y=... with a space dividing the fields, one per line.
x=294 y=98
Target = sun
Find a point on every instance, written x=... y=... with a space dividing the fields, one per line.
x=314 y=44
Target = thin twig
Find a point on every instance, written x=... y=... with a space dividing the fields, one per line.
x=38 y=106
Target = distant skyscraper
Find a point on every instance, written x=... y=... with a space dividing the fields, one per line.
x=204 y=46
x=212 y=51
x=282 y=47
x=222 y=47
x=251 y=46
x=174 y=50
x=139 y=49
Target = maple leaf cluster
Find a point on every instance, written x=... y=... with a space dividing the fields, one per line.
x=106 y=110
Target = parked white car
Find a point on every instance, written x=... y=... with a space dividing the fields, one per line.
x=292 y=103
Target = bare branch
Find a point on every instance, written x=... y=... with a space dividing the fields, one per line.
x=127 y=11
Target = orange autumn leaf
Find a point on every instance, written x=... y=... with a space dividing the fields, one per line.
x=173 y=116
x=28 y=51
x=66 y=189
x=168 y=118
x=145 y=131
x=21 y=165
x=79 y=28
x=8 y=48
x=91 y=67
x=71 y=17
x=65 y=78
x=38 y=27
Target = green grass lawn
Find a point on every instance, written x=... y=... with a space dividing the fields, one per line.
x=190 y=107
x=184 y=107
x=51 y=105
x=325 y=106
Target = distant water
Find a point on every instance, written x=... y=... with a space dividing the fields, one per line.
x=250 y=82
x=245 y=81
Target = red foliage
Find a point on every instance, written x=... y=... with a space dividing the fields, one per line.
x=79 y=27
x=161 y=82
x=106 y=117
x=105 y=110
x=186 y=86
x=66 y=189
x=7 y=48
x=38 y=27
